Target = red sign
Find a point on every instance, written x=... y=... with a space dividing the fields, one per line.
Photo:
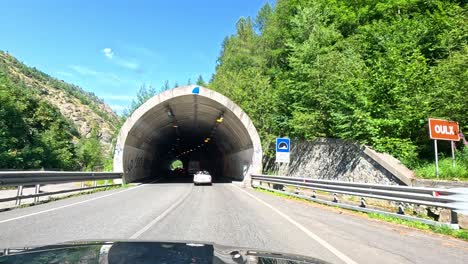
x=443 y=129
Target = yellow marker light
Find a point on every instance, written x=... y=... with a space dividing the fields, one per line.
x=219 y=120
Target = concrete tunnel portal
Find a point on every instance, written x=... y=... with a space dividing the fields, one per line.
x=189 y=123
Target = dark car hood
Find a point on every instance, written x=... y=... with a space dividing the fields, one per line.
x=146 y=252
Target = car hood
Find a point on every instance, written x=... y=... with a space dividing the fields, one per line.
x=146 y=252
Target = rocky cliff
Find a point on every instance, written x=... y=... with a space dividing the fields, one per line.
x=84 y=109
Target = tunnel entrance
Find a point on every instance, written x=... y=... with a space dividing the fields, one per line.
x=200 y=127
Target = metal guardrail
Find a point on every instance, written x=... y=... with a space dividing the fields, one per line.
x=38 y=178
x=455 y=200
x=16 y=178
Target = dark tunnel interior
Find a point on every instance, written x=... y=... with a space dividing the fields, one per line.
x=204 y=132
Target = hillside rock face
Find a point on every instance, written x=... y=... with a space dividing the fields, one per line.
x=332 y=159
x=83 y=109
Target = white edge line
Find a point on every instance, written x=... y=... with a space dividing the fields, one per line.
x=319 y=240
x=162 y=215
x=73 y=204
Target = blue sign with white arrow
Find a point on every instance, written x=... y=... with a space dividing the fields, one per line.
x=282 y=145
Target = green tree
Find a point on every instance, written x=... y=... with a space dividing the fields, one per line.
x=166 y=86
x=90 y=152
x=372 y=71
x=143 y=95
x=200 y=81
x=33 y=133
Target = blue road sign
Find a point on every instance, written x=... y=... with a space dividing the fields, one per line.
x=282 y=145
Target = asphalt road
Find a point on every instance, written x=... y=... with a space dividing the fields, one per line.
x=226 y=214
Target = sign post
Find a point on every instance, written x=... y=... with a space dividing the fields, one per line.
x=443 y=130
x=436 y=158
x=452 y=144
x=283 y=150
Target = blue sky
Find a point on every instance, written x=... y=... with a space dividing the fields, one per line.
x=113 y=47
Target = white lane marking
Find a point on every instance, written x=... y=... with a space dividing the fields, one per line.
x=162 y=215
x=69 y=205
x=319 y=240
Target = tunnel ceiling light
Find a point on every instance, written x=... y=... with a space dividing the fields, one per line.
x=220 y=120
x=175 y=125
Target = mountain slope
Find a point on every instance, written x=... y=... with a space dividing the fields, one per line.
x=85 y=111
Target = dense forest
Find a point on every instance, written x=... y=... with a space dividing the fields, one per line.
x=370 y=71
x=34 y=134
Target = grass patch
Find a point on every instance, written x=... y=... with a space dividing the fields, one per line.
x=446 y=171
x=445 y=230
x=8 y=188
x=283 y=195
x=98 y=182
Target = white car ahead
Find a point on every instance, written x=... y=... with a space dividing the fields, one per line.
x=202 y=177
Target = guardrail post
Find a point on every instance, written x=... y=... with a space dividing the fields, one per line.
x=36 y=191
x=82 y=184
x=19 y=193
x=453 y=217
x=401 y=209
x=335 y=198
x=314 y=194
x=95 y=183
x=363 y=202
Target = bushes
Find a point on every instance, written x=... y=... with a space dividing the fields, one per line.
x=446 y=171
x=363 y=70
x=90 y=153
x=33 y=133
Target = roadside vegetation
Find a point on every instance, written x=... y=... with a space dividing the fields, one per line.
x=444 y=230
x=446 y=169
x=371 y=71
x=33 y=132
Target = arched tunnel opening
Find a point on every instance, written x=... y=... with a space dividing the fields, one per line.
x=200 y=127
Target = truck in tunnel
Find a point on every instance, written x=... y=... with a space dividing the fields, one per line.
x=193 y=167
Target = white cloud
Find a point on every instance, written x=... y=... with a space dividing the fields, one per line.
x=125 y=63
x=103 y=77
x=118 y=97
x=108 y=53
x=118 y=108
x=83 y=70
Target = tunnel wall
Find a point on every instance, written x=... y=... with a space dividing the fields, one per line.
x=135 y=159
x=138 y=163
x=238 y=164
